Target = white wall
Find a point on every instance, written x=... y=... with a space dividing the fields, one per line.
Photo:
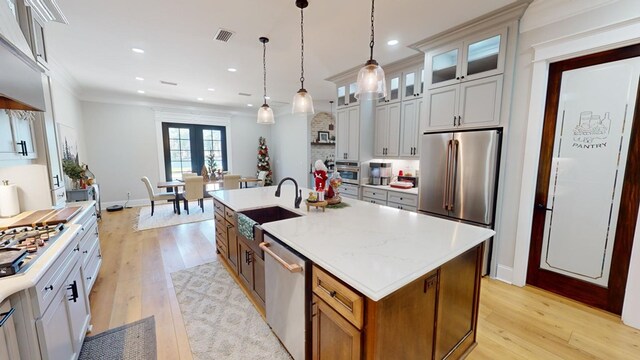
x=67 y=110
x=289 y=147
x=122 y=145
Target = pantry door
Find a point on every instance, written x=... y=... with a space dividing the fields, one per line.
x=588 y=185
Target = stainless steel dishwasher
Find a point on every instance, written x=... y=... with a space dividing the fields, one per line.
x=286 y=279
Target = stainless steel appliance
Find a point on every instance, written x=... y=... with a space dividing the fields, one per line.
x=286 y=280
x=459 y=173
x=19 y=247
x=349 y=171
x=380 y=173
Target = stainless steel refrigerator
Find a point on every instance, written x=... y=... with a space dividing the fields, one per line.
x=459 y=176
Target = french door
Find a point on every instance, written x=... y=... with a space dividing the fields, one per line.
x=588 y=185
x=187 y=147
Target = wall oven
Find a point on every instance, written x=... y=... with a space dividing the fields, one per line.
x=349 y=172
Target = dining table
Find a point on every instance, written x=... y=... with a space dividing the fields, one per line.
x=175 y=186
x=246 y=181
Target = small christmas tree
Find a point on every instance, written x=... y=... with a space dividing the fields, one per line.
x=263 y=161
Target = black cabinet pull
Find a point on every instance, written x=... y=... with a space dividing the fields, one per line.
x=332 y=294
x=74 y=291
x=462 y=77
x=459 y=118
x=458 y=78
x=85 y=252
x=543 y=207
x=6 y=316
x=454 y=120
x=50 y=287
x=57 y=177
x=23 y=148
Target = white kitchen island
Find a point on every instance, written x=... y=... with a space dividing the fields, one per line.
x=399 y=269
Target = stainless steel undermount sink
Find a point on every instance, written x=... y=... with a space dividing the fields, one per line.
x=261 y=216
x=269 y=214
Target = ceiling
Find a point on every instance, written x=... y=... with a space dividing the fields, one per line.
x=178 y=39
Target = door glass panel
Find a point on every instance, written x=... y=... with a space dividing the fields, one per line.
x=353 y=87
x=483 y=55
x=444 y=66
x=409 y=84
x=212 y=145
x=591 y=143
x=180 y=150
x=342 y=97
x=421 y=81
x=394 y=89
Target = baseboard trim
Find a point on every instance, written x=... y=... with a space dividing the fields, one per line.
x=131 y=203
x=505 y=274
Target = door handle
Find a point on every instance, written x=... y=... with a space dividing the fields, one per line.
x=74 y=291
x=543 y=207
x=445 y=192
x=454 y=174
x=294 y=268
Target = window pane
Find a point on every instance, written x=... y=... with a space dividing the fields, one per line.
x=185 y=145
x=217 y=145
x=206 y=134
x=174 y=144
x=175 y=155
x=184 y=133
x=208 y=146
x=217 y=135
x=174 y=133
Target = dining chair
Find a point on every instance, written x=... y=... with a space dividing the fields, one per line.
x=262 y=176
x=153 y=197
x=231 y=182
x=193 y=190
x=188 y=174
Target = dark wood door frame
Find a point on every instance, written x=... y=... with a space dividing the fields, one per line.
x=611 y=298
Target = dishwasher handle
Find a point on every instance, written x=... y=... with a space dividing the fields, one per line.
x=295 y=268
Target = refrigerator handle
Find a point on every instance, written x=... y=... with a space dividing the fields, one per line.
x=447 y=179
x=454 y=174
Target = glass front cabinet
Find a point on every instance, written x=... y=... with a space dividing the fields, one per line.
x=475 y=58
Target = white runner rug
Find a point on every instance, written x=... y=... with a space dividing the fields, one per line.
x=164 y=216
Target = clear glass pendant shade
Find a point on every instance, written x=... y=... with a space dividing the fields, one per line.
x=265 y=115
x=302 y=103
x=371 y=82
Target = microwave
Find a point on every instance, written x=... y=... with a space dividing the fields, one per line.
x=349 y=172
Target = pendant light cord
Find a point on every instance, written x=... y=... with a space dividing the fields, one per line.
x=372 y=29
x=264 y=68
x=301 y=48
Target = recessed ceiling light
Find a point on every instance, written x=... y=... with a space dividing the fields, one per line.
x=200 y=99
x=232 y=69
x=140 y=91
x=137 y=50
x=211 y=89
x=392 y=42
x=139 y=78
x=250 y=105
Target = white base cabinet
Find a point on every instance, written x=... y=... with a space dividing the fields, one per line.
x=396 y=199
x=8 y=340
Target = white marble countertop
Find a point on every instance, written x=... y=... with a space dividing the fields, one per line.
x=389 y=188
x=375 y=249
x=12 y=284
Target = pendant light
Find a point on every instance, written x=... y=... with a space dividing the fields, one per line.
x=371 y=82
x=265 y=114
x=302 y=102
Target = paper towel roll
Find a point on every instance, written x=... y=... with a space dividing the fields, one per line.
x=9 y=203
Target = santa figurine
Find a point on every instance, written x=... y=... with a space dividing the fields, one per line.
x=320 y=175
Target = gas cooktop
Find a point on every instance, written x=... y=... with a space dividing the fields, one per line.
x=19 y=247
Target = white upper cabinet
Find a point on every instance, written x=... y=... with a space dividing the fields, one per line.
x=347 y=94
x=474 y=103
x=17 y=135
x=387 y=130
x=474 y=58
x=347 y=136
x=394 y=92
x=413 y=83
x=410 y=127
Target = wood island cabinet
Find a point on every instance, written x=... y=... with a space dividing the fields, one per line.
x=433 y=317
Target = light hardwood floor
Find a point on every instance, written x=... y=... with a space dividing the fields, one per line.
x=515 y=323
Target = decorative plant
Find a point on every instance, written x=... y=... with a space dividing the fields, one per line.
x=72 y=169
x=263 y=160
x=211 y=163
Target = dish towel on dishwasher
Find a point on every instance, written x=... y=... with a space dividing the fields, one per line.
x=245 y=226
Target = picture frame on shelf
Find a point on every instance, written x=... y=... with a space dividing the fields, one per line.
x=323 y=137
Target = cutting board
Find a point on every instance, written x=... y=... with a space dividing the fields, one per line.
x=47 y=217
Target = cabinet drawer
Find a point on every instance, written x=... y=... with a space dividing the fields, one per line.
x=8 y=338
x=54 y=277
x=59 y=196
x=230 y=215
x=345 y=301
x=402 y=198
x=88 y=242
x=222 y=247
x=220 y=223
x=90 y=272
x=402 y=207
x=86 y=219
x=374 y=201
x=374 y=193
x=219 y=208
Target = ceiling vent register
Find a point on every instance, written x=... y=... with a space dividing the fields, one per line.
x=168 y=83
x=224 y=35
